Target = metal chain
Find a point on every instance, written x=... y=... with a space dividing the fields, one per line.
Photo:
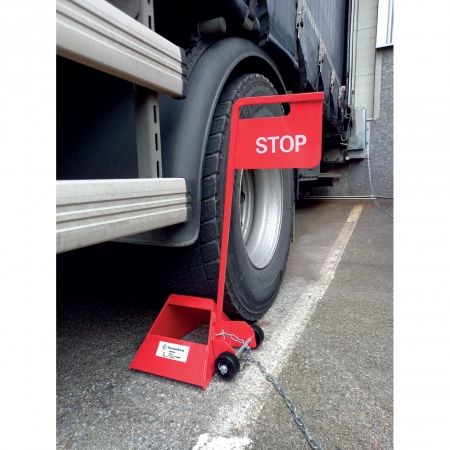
x=235 y=338
x=248 y=357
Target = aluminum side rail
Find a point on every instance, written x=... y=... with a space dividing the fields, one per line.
x=93 y=211
x=97 y=34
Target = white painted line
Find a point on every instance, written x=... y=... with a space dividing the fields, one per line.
x=206 y=442
x=290 y=313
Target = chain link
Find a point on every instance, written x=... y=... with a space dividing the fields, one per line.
x=248 y=357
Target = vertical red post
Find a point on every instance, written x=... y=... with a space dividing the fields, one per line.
x=229 y=182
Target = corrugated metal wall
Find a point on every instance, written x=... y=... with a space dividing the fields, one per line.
x=366 y=37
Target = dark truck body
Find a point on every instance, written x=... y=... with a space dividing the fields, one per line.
x=144 y=98
x=275 y=31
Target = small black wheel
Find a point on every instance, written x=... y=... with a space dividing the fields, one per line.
x=227 y=365
x=259 y=334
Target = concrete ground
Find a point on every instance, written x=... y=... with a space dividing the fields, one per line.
x=329 y=342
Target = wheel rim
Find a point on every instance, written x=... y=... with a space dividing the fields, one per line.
x=261 y=210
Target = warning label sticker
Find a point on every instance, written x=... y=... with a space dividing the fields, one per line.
x=172 y=351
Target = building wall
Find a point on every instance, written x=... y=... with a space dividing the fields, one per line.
x=355 y=175
x=382 y=130
x=366 y=29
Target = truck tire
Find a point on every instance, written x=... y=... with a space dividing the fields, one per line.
x=261 y=221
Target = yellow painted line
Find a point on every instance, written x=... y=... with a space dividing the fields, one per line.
x=355 y=213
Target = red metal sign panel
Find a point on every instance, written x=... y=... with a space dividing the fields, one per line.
x=292 y=141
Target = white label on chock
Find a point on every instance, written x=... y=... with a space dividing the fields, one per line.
x=173 y=351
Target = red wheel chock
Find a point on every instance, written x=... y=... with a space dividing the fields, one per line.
x=291 y=141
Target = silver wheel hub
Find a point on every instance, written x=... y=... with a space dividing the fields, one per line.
x=261 y=211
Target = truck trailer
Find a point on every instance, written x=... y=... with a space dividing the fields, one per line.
x=144 y=96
